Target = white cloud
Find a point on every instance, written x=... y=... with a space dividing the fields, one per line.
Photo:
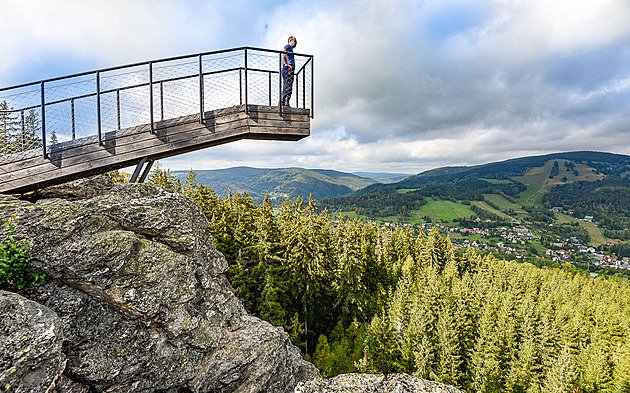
x=402 y=85
x=109 y=33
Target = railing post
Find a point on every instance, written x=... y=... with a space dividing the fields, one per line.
x=304 y=88
x=73 y=123
x=246 y=111
x=118 y=107
x=200 y=90
x=312 y=86
x=240 y=87
x=269 y=88
x=162 y=100
x=43 y=118
x=151 y=94
x=23 y=131
x=297 y=90
x=98 y=106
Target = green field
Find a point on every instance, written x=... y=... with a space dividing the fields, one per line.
x=502 y=203
x=538 y=246
x=484 y=205
x=496 y=181
x=405 y=190
x=473 y=237
x=349 y=215
x=597 y=238
x=439 y=210
x=536 y=180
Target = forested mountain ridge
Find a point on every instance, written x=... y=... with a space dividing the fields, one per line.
x=280 y=183
x=605 y=163
x=527 y=181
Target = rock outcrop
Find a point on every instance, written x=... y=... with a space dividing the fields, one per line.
x=31 y=337
x=374 y=383
x=137 y=284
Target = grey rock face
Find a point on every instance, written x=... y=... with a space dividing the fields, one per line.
x=78 y=189
x=374 y=383
x=135 y=277
x=31 y=337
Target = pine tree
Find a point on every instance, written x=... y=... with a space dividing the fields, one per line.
x=165 y=179
x=434 y=252
x=449 y=353
x=53 y=137
x=487 y=356
x=562 y=375
x=382 y=346
x=349 y=284
x=8 y=130
x=621 y=373
x=31 y=133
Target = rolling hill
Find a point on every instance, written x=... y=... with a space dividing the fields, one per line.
x=280 y=184
x=510 y=170
x=590 y=183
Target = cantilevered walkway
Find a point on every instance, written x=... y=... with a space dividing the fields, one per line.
x=66 y=128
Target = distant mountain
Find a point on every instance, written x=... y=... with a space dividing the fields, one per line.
x=588 y=183
x=281 y=183
x=604 y=163
x=382 y=177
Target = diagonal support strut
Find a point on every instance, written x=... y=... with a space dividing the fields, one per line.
x=145 y=173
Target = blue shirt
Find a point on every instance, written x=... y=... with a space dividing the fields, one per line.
x=290 y=57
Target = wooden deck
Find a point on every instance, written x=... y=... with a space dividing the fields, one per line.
x=122 y=148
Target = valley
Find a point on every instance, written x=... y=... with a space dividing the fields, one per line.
x=548 y=210
x=532 y=224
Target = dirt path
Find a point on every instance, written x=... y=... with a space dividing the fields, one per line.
x=453 y=210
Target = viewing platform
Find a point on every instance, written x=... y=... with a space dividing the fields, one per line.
x=61 y=129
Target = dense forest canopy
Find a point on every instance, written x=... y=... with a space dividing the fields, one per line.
x=359 y=297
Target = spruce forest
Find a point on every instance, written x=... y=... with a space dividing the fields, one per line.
x=356 y=297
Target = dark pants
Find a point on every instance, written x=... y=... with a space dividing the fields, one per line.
x=287 y=86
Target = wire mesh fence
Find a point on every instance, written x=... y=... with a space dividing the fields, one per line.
x=36 y=116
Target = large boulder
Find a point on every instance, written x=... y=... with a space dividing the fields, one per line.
x=31 y=336
x=134 y=275
x=374 y=383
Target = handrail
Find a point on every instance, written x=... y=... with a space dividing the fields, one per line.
x=137 y=86
x=248 y=62
x=151 y=61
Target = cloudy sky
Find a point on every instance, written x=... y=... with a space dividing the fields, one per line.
x=400 y=86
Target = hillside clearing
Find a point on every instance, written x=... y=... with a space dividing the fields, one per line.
x=442 y=210
x=597 y=238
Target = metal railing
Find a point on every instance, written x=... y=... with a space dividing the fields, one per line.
x=142 y=95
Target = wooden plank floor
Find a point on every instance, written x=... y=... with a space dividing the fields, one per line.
x=122 y=148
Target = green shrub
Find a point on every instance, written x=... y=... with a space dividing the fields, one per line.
x=14 y=260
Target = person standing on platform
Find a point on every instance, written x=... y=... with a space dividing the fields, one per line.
x=288 y=66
